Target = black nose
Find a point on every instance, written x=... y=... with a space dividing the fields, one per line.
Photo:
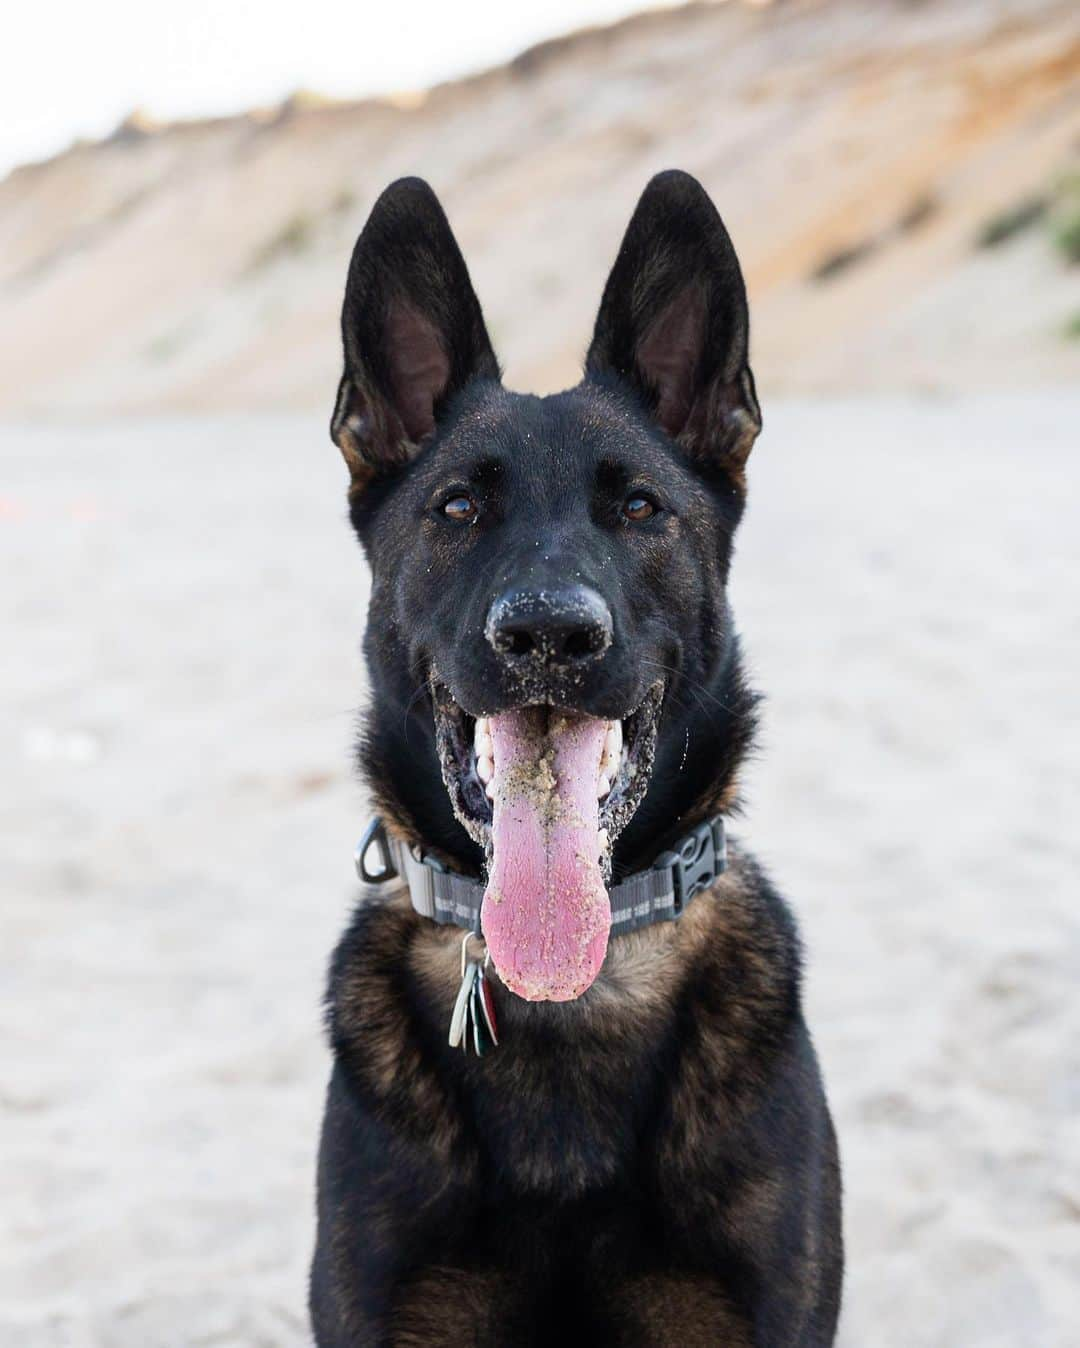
x=556 y=627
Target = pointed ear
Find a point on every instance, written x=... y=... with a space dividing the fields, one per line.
x=412 y=330
x=673 y=323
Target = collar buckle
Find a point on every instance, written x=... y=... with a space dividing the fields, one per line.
x=696 y=862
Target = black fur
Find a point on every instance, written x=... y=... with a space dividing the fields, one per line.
x=654 y=1162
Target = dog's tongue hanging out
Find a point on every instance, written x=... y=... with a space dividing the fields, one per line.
x=546 y=914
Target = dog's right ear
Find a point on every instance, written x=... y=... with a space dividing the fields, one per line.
x=412 y=330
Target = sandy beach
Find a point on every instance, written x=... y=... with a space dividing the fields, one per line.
x=182 y=609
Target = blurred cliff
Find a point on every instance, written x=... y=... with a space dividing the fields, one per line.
x=900 y=180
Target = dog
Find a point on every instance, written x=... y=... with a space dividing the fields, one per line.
x=635 y=1147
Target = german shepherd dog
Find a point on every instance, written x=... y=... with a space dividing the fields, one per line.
x=647 y=1156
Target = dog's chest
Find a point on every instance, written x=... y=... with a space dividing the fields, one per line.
x=564 y=1107
x=571 y=1099
x=554 y=1130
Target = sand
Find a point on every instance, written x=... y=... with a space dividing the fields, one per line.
x=182 y=606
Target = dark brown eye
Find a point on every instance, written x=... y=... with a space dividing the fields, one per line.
x=638 y=508
x=460 y=509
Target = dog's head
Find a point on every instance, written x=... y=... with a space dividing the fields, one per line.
x=548 y=628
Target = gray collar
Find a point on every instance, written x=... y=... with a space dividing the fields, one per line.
x=658 y=894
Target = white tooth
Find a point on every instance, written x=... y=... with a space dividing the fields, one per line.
x=602 y=837
x=484 y=747
x=490 y=790
x=485 y=768
x=613 y=748
x=603 y=786
x=482 y=725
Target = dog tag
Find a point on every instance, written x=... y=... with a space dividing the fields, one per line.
x=459 y=1020
x=474 y=1007
x=487 y=1006
x=479 y=1030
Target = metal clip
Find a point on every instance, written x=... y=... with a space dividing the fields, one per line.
x=375 y=836
x=700 y=858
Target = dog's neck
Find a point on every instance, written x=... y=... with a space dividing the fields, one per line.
x=706 y=732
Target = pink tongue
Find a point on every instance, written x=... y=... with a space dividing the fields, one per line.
x=546 y=915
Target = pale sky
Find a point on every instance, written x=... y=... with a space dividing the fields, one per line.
x=73 y=68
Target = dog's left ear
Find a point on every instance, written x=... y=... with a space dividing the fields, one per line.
x=412 y=330
x=673 y=323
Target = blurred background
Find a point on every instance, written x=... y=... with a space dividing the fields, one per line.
x=182 y=600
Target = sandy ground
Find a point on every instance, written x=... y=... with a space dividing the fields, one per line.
x=182 y=605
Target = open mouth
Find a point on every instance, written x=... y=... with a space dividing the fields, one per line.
x=466 y=754
x=546 y=791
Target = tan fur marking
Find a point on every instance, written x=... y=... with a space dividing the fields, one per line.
x=725 y=1053
x=674 y=1310
x=445 y=1306
x=369 y=1010
x=638 y=977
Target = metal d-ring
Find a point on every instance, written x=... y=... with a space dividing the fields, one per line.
x=374 y=836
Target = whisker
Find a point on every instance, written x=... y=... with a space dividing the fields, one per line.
x=692 y=685
x=408 y=708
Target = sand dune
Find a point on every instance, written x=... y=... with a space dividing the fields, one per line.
x=857 y=148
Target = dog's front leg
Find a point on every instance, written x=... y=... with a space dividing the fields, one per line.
x=387 y=1213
